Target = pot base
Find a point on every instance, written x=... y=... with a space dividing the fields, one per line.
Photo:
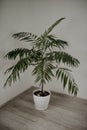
x=41 y=108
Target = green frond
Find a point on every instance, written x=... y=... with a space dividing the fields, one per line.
x=25 y=36
x=45 y=34
x=43 y=72
x=54 y=25
x=15 y=70
x=54 y=42
x=49 y=43
x=65 y=58
x=32 y=54
x=9 y=70
x=67 y=79
x=21 y=52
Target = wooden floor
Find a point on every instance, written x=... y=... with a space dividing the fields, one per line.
x=64 y=113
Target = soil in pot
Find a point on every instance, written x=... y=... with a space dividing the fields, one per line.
x=41 y=93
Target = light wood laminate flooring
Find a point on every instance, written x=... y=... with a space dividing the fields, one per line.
x=64 y=113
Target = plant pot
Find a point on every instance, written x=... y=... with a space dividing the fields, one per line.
x=41 y=102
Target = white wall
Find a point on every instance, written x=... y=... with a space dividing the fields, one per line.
x=35 y=16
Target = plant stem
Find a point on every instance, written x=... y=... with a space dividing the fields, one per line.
x=42 y=76
x=42 y=87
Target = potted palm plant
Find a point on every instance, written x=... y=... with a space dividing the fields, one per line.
x=46 y=56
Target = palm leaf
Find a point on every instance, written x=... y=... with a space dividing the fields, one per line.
x=25 y=36
x=54 y=24
x=43 y=37
x=15 y=70
x=67 y=79
x=24 y=53
x=43 y=72
x=57 y=42
x=63 y=57
x=21 y=52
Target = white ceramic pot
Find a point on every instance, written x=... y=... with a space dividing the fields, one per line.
x=41 y=102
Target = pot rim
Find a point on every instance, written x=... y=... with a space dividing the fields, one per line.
x=44 y=90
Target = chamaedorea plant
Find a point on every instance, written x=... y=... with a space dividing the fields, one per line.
x=46 y=56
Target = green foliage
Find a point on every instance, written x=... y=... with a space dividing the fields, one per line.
x=43 y=72
x=67 y=79
x=64 y=57
x=46 y=55
x=57 y=42
x=54 y=24
x=25 y=36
